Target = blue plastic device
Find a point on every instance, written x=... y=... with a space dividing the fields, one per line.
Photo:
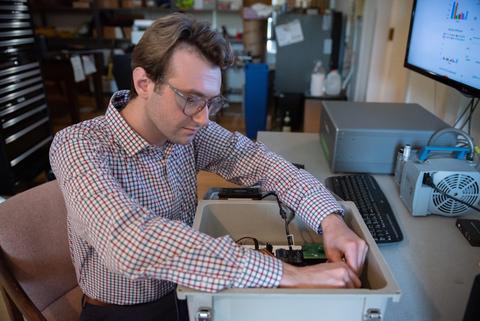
x=458 y=152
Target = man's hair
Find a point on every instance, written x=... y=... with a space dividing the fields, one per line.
x=157 y=45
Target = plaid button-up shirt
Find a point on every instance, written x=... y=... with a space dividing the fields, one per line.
x=131 y=206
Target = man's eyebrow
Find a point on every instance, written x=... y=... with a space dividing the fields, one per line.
x=199 y=94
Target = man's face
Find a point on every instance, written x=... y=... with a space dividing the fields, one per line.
x=189 y=74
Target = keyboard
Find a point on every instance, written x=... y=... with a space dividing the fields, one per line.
x=363 y=190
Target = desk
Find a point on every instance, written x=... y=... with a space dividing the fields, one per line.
x=434 y=265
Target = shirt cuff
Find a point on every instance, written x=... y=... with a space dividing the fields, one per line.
x=260 y=271
x=316 y=207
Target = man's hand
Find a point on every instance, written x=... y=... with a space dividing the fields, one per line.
x=340 y=243
x=325 y=275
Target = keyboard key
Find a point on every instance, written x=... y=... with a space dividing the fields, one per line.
x=364 y=191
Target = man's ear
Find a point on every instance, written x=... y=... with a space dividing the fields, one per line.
x=141 y=82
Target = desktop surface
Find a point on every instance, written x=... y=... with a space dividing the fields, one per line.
x=434 y=264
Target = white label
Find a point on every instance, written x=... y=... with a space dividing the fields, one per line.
x=327 y=46
x=289 y=33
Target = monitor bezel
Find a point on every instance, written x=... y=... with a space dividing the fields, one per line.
x=465 y=89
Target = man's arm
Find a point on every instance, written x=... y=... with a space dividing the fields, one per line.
x=241 y=161
x=237 y=159
x=138 y=244
x=325 y=275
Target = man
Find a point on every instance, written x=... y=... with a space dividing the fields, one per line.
x=129 y=182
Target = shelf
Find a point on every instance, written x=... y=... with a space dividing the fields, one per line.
x=140 y=9
x=87 y=42
x=102 y=17
x=133 y=9
x=62 y=10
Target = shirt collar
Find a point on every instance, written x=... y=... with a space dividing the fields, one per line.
x=128 y=138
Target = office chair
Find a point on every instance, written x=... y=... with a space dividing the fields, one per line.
x=37 y=277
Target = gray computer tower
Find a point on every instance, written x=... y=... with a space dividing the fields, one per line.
x=365 y=137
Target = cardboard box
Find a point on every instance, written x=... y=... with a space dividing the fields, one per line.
x=261 y=219
x=255 y=37
x=131 y=3
x=311 y=115
x=111 y=4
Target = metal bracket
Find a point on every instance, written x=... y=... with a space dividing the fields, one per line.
x=373 y=315
x=204 y=314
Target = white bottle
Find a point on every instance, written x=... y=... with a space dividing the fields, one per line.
x=333 y=83
x=286 y=123
x=317 y=80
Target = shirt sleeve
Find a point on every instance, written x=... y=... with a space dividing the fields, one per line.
x=239 y=160
x=134 y=244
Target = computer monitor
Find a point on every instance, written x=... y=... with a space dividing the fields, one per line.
x=444 y=43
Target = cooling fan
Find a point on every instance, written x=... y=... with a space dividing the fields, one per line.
x=465 y=187
x=455 y=177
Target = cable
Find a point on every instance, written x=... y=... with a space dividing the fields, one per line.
x=255 y=241
x=283 y=213
x=428 y=180
x=468 y=120
x=463 y=112
x=470 y=116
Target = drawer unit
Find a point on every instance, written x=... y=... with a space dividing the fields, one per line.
x=25 y=131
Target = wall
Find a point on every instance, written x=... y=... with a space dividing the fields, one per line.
x=442 y=100
x=381 y=76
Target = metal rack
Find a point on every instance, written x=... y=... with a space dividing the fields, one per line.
x=25 y=130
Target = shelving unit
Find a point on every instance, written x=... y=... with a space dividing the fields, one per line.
x=102 y=32
x=97 y=18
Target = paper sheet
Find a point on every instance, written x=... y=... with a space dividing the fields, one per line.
x=289 y=33
x=88 y=64
x=77 y=68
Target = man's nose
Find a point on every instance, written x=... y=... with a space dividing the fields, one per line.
x=202 y=117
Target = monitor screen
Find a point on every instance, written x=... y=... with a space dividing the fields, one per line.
x=444 y=42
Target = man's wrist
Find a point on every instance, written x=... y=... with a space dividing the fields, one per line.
x=330 y=220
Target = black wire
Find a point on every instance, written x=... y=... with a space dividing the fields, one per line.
x=469 y=118
x=255 y=241
x=274 y=194
x=283 y=214
x=430 y=183
x=470 y=102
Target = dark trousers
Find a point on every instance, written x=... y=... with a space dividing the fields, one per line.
x=168 y=308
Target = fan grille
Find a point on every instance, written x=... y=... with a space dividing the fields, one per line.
x=463 y=187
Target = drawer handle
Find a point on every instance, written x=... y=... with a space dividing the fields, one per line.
x=24 y=131
x=30 y=151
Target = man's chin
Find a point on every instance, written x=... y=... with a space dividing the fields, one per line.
x=185 y=140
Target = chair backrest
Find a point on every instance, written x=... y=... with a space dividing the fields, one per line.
x=33 y=238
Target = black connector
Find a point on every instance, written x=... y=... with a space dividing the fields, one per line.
x=240 y=192
x=428 y=180
x=294 y=257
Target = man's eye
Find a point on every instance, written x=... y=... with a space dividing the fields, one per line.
x=192 y=99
